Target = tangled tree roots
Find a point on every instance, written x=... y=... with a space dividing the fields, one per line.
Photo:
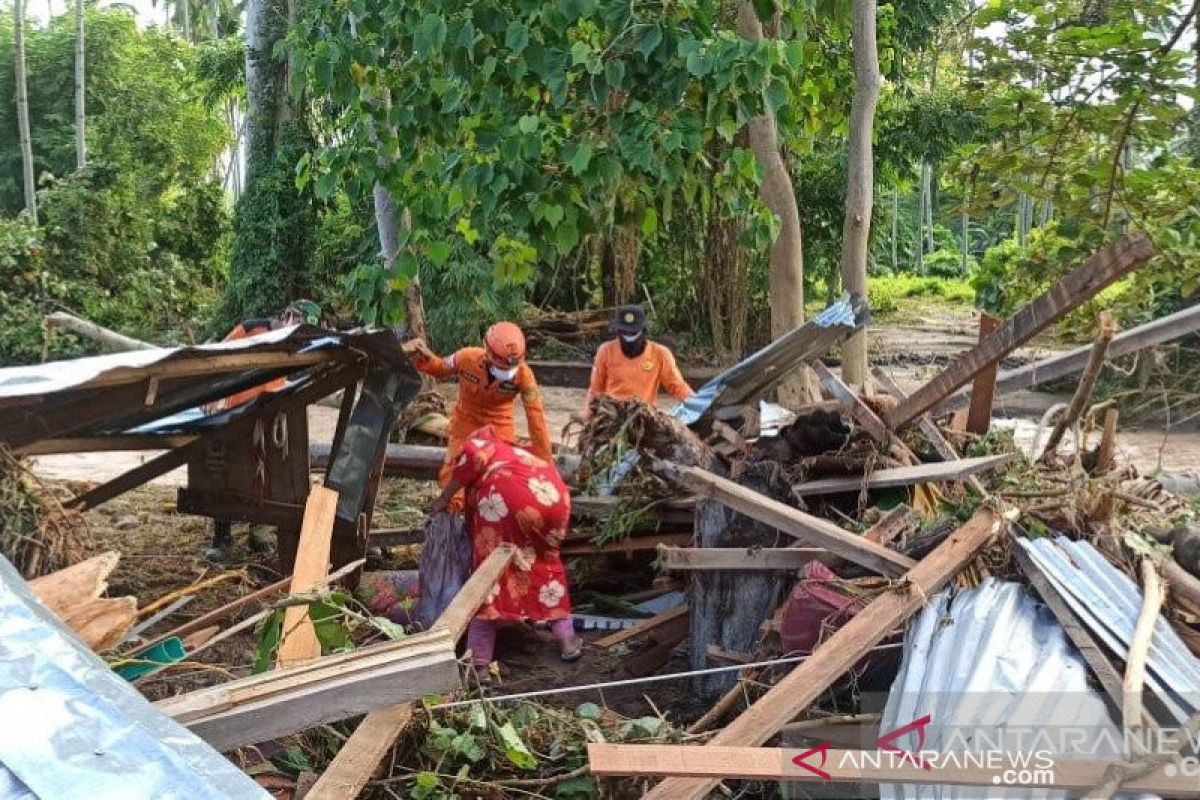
x=36 y=534
x=621 y=426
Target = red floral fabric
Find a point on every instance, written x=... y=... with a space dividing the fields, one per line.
x=514 y=496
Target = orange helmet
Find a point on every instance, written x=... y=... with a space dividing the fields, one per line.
x=505 y=344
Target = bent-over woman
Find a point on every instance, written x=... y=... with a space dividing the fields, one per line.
x=516 y=497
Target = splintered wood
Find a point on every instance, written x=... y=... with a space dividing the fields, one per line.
x=73 y=594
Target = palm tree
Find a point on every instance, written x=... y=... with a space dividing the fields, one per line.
x=23 y=108
x=80 y=104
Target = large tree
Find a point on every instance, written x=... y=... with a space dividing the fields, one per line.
x=22 y=92
x=274 y=220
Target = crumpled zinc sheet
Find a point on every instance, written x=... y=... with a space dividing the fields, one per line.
x=72 y=728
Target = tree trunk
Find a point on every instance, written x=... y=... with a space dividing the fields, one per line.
x=185 y=14
x=860 y=180
x=23 y=109
x=895 y=229
x=80 y=99
x=787 y=257
x=388 y=224
x=922 y=202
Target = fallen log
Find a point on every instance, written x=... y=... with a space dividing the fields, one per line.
x=710 y=764
x=1104 y=267
x=1160 y=331
x=422 y=462
x=110 y=339
x=843 y=649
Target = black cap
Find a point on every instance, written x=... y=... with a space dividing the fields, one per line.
x=629 y=320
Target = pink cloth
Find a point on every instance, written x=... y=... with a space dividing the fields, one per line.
x=481 y=637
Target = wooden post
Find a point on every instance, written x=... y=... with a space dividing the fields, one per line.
x=979 y=418
x=844 y=648
x=1106 y=454
x=1087 y=383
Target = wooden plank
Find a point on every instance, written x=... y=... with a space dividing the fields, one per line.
x=105 y=444
x=1101 y=269
x=273 y=704
x=470 y=597
x=642 y=628
x=1160 y=331
x=937 y=472
x=710 y=764
x=1091 y=650
x=352 y=767
x=674 y=559
x=867 y=419
x=928 y=427
x=983 y=391
x=805 y=527
x=842 y=650
x=894 y=523
x=298 y=640
x=350 y=770
x=633 y=544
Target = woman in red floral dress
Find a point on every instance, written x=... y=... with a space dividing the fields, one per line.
x=513 y=496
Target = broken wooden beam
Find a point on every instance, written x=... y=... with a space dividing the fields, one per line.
x=805 y=527
x=1103 y=268
x=983 y=390
x=642 y=628
x=710 y=764
x=894 y=523
x=843 y=649
x=628 y=546
x=937 y=472
x=1160 y=331
x=272 y=704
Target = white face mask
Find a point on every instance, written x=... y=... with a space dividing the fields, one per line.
x=503 y=374
x=631 y=338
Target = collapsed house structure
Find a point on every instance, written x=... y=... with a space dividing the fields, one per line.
x=778 y=529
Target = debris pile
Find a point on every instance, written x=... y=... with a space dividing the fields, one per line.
x=36 y=534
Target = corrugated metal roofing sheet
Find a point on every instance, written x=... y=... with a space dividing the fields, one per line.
x=1108 y=602
x=71 y=727
x=991 y=665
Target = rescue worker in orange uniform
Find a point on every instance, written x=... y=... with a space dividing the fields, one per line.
x=633 y=367
x=298 y=313
x=490 y=378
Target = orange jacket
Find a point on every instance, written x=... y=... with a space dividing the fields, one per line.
x=482 y=400
x=240 y=332
x=616 y=375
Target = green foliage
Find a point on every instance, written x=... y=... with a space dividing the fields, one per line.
x=1082 y=105
x=273 y=230
x=136 y=240
x=888 y=292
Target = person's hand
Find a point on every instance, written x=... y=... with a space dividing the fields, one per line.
x=440 y=504
x=416 y=347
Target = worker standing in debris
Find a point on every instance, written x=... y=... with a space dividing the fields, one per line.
x=299 y=312
x=490 y=378
x=514 y=497
x=633 y=367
